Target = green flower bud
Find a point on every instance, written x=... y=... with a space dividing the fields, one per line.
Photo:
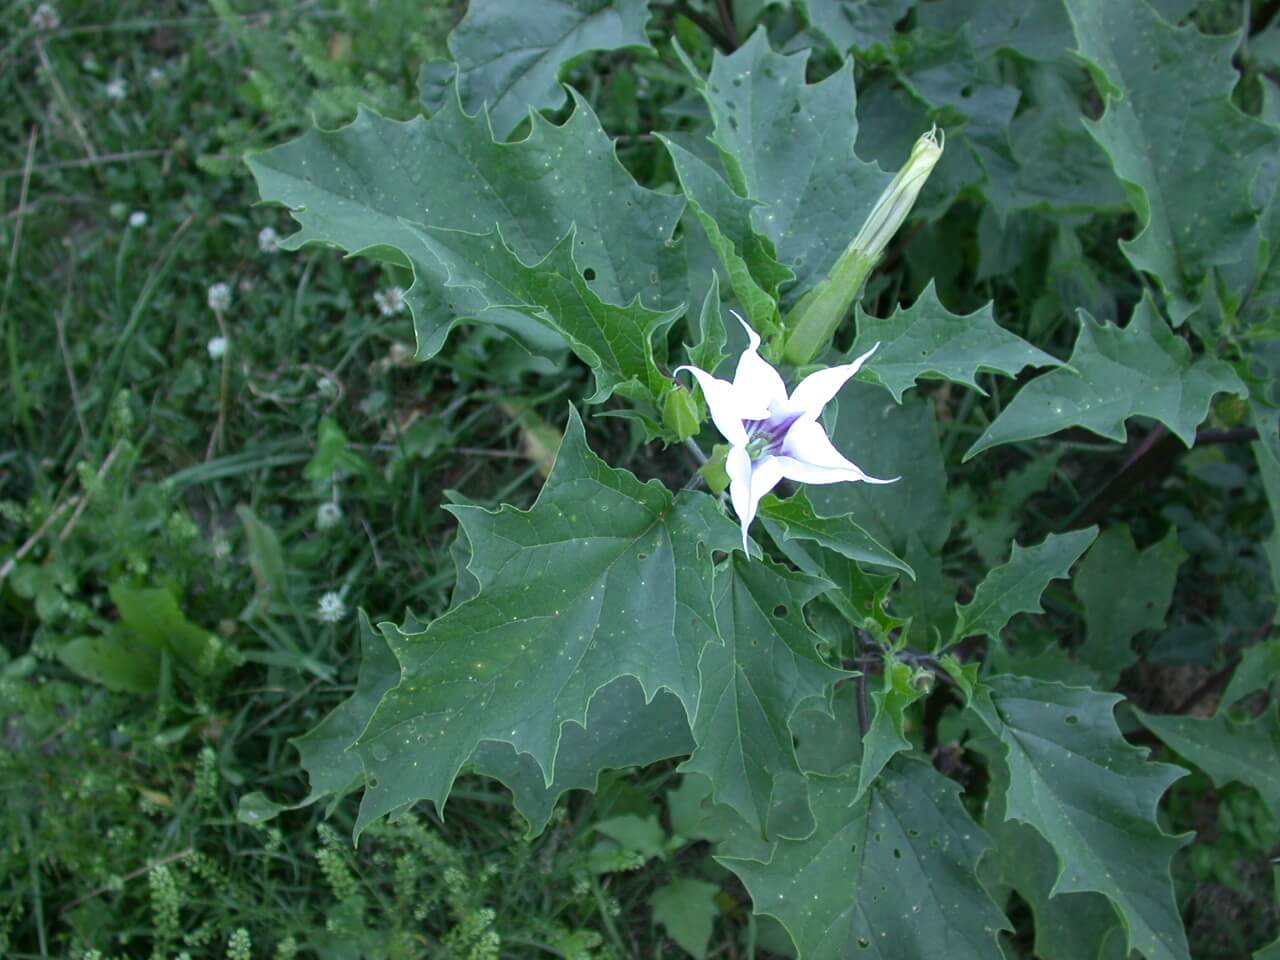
x=680 y=413
x=813 y=321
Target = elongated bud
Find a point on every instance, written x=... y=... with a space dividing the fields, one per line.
x=900 y=196
x=813 y=321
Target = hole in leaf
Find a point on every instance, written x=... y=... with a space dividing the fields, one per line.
x=588 y=274
x=966 y=90
x=853 y=848
x=1072 y=719
x=642 y=556
x=780 y=611
x=863 y=943
x=897 y=854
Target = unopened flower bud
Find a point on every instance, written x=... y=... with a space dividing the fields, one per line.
x=900 y=196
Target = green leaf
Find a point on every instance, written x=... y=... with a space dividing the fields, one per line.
x=885 y=737
x=603 y=577
x=1124 y=591
x=1173 y=133
x=797 y=520
x=708 y=353
x=1016 y=586
x=855 y=24
x=622 y=730
x=616 y=342
x=116 y=660
x=687 y=909
x=1227 y=751
x=256 y=808
x=755 y=274
x=889 y=440
x=266 y=559
x=1093 y=797
x=1114 y=374
x=888 y=876
x=363 y=187
x=1269 y=469
x=332 y=768
x=926 y=340
x=1068 y=926
x=789 y=145
x=334 y=458
x=752 y=683
x=509 y=57
x=1259 y=668
x=154 y=617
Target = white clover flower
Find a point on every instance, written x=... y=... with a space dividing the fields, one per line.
x=117 y=88
x=328 y=516
x=138 y=219
x=46 y=17
x=219 y=297
x=217 y=347
x=390 y=301
x=772 y=435
x=331 y=609
x=268 y=240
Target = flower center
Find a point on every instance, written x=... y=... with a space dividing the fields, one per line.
x=765 y=437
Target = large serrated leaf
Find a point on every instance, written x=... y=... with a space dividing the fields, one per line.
x=1124 y=591
x=755 y=275
x=1093 y=797
x=797 y=520
x=1244 y=752
x=603 y=577
x=363 y=188
x=622 y=730
x=332 y=768
x=1116 y=373
x=1068 y=926
x=616 y=342
x=1015 y=587
x=765 y=670
x=889 y=876
x=510 y=60
x=789 y=145
x=1186 y=153
x=926 y=340
x=855 y=24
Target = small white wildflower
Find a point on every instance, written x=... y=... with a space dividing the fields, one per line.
x=156 y=77
x=268 y=240
x=219 y=296
x=46 y=17
x=326 y=387
x=390 y=301
x=331 y=609
x=138 y=218
x=328 y=516
x=217 y=347
x=117 y=88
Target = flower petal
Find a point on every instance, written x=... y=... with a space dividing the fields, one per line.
x=738 y=465
x=756 y=381
x=816 y=390
x=722 y=402
x=765 y=474
x=808 y=456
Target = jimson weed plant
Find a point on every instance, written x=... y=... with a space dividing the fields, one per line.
x=783 y=632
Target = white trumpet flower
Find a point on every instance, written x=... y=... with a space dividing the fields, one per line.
x=774 y=435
